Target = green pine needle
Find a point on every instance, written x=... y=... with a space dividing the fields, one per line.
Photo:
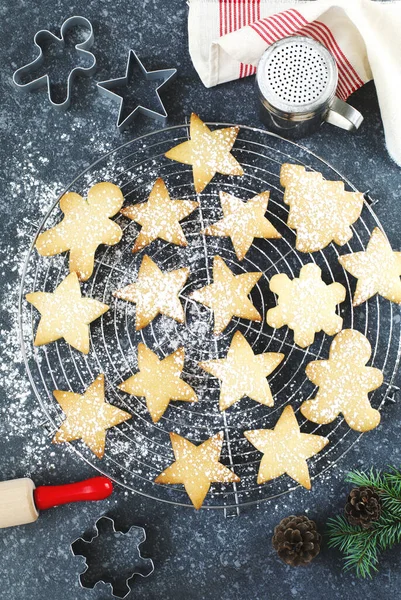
x=361 y=547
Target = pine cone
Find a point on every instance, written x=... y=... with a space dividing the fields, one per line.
x=363 y=506
x=297 y=540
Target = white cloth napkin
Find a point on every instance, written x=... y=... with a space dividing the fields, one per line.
x=227 y=38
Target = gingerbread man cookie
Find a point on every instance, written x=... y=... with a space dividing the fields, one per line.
x=86 y=225
x=344 y=382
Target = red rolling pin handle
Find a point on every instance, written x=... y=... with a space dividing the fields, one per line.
x=97 y=488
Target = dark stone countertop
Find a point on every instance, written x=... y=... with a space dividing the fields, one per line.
x=197 y=555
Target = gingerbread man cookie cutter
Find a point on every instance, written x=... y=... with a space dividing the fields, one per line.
x=82 y=48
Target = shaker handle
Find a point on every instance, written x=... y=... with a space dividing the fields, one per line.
x=343 y=115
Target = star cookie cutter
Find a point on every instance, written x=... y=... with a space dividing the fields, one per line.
x=39 y=40
x=106 y=89
x=120 y=588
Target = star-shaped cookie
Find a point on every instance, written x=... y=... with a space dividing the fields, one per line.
x=378 y=270
x=306 y=304
x=227 y=296
x=160 y=217
x=243 y=221
x=242 y=373
x=344 y=382
x=285 y=449
x=159 y=381
x=66 y=314
x=86 y=225
x=88 y=416
x=321 y=211
x=155 y=292
x=197 y=467
x=208 y=152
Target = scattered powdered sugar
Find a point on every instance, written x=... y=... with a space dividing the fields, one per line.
x=138 y=450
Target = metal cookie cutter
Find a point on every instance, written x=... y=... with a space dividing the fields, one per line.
x=106 y=88
x=101 y=567
x=40 y=38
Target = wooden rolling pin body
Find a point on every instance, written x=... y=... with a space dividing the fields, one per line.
x=21 y=501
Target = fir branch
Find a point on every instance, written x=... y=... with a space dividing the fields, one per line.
x=361 y=547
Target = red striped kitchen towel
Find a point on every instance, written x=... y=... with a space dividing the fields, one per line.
x=227 y=38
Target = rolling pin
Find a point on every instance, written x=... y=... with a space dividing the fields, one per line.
x=21 y=500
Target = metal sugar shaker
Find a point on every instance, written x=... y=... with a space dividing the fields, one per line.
x=297 y=80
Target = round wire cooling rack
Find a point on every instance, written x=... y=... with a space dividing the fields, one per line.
x=138 y=450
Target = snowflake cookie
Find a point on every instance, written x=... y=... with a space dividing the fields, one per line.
x=344 y=383
x=320 y=211
x=86 y=225
x=306 y=304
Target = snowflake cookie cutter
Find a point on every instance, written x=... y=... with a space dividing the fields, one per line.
x=82 y=48
x=108 y=572
x=166 y=76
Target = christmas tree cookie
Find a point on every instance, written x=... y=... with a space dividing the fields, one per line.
x=306 y=304
x=227 y=296
x=242 y=373
x=159 y=381
x=243 y=221
x=320 y=211
x=160 y=217
x=86 y=225
x=155 y=292
x=344 y=382
x=88 y=416
x=378 y=270
x=208 y=152
x=197 y=467
x=285 y=449
x=66 y=314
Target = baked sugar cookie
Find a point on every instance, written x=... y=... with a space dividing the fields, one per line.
x=159 y=381
x=285 y=449
x=86 y=225
x=306 y=304
x=243 y=221
x=88 y=416
x=208 y=152
x=320 y=211
x=155 y=292
x=197 y=467
x=378 y=270
x=344 y=383
x=242 y=373
x=66 y=314
x=160 y=217
x=227 y=296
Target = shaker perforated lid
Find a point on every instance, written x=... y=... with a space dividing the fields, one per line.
x=296 y=75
